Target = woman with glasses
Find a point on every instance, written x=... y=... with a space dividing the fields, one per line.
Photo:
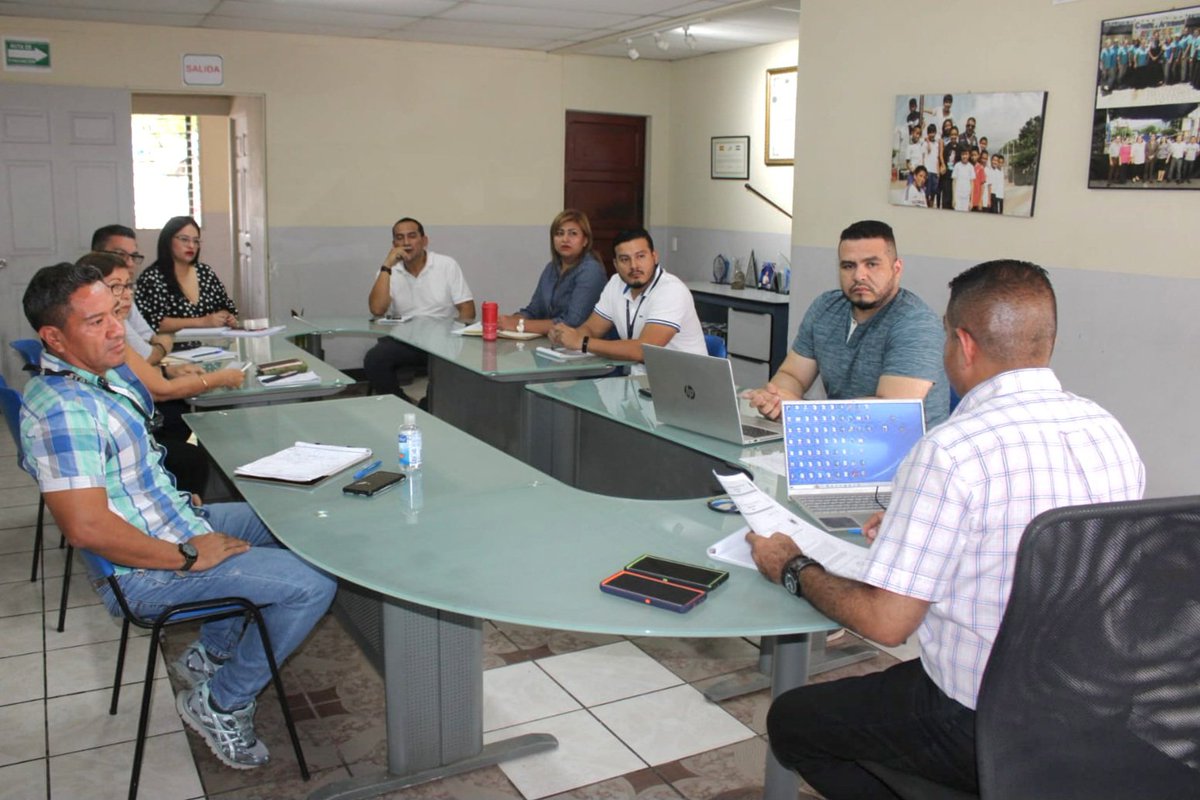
x=177 y=290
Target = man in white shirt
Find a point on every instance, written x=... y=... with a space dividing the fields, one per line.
x=643 y=302
x=427 y=284
x=914 y=193
x=121 y=241
x=996 y=184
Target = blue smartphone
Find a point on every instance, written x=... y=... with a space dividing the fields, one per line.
x=652 y=591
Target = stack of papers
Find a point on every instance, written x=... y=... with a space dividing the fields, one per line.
x=562 y=353
x=197 y=355
x=289 y=379
x=237 y=333
x=304 y=462
x=764 y=516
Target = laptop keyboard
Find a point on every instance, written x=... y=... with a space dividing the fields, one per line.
x=755 y=432
x=842 y=503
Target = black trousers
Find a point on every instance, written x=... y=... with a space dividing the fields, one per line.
x=381 y=362
x=897 y=718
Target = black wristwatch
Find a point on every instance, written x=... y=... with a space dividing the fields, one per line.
x=386 y=269
x=188 y=551
x=791 y=573
x=583 y=345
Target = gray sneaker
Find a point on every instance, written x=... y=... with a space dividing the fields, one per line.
x=230 y=736
x=194 y=667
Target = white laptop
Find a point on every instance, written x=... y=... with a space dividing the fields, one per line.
x=697 y=393
x=841 y=454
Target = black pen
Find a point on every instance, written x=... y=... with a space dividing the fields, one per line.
x=279 y=377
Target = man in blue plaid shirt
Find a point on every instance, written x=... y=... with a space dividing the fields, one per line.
x=85 y=436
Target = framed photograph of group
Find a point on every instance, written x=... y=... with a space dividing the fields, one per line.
x=976 y=152
x=1146 y=125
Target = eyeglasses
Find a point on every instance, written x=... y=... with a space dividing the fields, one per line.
x=136 y=258
x=119 y=289
x=189 y=240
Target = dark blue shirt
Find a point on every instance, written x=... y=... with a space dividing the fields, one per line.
x=568 y=298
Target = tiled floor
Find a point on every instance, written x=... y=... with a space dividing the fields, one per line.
x=628 y=714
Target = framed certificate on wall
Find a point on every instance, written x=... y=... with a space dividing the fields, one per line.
x=730 y=158
x=781 y=117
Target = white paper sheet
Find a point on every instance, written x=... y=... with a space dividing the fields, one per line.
x=765 y=516
x=304 y=462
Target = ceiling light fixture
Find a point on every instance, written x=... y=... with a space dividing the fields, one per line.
x=688 y=39
x=661 y=43
x=634 y=55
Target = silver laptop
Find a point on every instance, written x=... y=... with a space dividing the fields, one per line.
x=841 y=454
x=697 y=393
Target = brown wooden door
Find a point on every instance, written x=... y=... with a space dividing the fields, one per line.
x=606 y=174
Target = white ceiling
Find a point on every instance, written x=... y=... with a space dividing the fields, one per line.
x=591 y=27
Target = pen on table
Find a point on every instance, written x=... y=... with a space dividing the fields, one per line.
x=279 y=377
x=368 y=469
x=246 y=367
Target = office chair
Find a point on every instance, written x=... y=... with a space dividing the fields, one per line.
x=31 y=353
x=10 y=401
x=201 y=610
x=716 y=345
x=1090 y=690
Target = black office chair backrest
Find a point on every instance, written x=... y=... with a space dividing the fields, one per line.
x=1092 y=689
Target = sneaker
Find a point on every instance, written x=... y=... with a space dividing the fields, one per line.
x=230 y=736
x=194 y=667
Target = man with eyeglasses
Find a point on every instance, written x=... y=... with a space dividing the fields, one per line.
x=121 y=241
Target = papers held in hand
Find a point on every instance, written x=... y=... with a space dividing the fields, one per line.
x=303 y=463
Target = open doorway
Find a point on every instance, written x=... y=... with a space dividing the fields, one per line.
x=204 y=155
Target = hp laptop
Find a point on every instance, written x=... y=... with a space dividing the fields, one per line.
x=697 y=393
x=842 y=454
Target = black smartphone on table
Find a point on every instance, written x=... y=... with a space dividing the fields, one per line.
x=692 y=575
x=374 y=483
x=652 y=591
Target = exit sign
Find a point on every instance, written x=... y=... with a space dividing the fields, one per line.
x=26 y=54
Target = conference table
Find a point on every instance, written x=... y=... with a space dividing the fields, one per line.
x=479 y=534
x=260 y=350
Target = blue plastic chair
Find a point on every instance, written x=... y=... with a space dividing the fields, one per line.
x=31 y=352
x=716 y=345
x=10 y=401
x=200 y=610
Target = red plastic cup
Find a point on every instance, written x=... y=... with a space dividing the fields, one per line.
x=491 y=315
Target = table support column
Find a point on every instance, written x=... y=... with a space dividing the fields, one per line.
x=790 y=669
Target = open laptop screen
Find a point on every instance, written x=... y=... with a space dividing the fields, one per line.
x=848 y=442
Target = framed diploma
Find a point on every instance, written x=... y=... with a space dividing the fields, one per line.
x=781 y=117
x=730 y=158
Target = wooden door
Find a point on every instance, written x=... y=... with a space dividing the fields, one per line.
x=606 y=174
x=67 y=162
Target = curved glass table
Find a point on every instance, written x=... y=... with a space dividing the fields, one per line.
x=483 y=535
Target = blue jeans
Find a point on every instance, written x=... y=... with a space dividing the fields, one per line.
x=296 y=596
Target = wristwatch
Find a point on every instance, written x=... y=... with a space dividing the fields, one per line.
x=583 y=345
x=791 y=573
x=386 y=269
x=188 y=551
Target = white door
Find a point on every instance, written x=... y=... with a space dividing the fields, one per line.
x=67 y=166
x=250 y=206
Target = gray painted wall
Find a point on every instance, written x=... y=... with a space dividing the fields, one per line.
x=1121 y=342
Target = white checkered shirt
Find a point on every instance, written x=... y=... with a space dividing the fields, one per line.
x=1016 y=446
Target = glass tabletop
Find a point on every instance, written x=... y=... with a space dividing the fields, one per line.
x=481 y=533
x=503 y=359
x=259 y=350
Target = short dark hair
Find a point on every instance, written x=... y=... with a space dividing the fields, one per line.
x=105 y=262
x=920 y=168
x=912 y=101
x=420 y=227
x=47 y=299
x=1009 y=309
x=869 y=229
x=630 y=235
x=947 y=98
x=931 y=129
x=102 y=235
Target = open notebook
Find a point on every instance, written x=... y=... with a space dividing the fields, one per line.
x=303 y=463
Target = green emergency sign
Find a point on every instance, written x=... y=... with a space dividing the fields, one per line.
x=26 y=54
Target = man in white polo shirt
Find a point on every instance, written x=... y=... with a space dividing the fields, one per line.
x=642 y=302
x=428 y=284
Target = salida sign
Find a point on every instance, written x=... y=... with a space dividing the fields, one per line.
x=203 y=70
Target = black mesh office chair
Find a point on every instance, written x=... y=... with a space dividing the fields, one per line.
x=1092 y=689
x=1093 y=686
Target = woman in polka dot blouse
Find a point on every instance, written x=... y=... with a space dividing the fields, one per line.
x=177 y=291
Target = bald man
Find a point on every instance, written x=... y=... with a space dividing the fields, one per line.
x=1017 y=445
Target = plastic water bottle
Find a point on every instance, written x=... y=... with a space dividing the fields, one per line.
x=408 y=441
